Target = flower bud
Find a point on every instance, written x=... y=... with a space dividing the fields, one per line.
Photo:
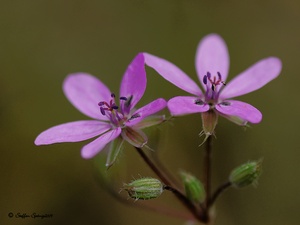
x=246 y=174
x=144 y=188
x=194 y=189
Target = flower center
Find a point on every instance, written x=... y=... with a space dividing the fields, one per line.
x=212 y=86
x=112 y=111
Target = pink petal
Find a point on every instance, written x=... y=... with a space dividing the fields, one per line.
x=212 y=56
x=182 y=105
x=242 y=110
x=85 y=91
x=134 y=82
x=172 y=74
x=253 y=78
x=147 y=110
x=93 y=148
x=72 y=132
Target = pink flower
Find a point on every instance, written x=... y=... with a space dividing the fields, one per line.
x=90 y=96
x=212 y=65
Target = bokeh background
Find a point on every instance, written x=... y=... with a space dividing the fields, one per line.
x=41 y=41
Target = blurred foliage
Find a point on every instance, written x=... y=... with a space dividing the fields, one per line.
x=41 y=41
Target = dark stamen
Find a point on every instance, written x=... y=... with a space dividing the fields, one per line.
x=219 y=75
x=199 y=102
x=225 y=103
x=114 y=107
x=205 y=79
x=208 y=75
x=102 y=111
x=134 y=116
x=101 y=103
x=123 y=98
x=113 y=95
x=128 y=101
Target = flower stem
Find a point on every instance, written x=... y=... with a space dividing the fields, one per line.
x=218 y=192
x=207 y=174
x=159 y=173
x=198 y=213
x=207 y=167
x=145 y=205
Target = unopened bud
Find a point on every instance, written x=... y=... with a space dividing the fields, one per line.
x=246 y=174
x=144 y=188
x=194 y=189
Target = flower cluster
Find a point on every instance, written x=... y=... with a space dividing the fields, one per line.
x=212 y=66
x=120 y=120
x=90 y=96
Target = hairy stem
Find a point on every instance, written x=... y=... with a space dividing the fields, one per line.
x=207 y=173
x=164 y=210
x=180 y=196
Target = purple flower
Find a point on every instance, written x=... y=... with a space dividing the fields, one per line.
x=212 y=65
x=90 y=96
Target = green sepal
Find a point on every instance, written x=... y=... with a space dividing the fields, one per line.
x=246 y=174
x=135 y=137
x=114 y=151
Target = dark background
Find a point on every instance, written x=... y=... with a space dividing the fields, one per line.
x=41 y=41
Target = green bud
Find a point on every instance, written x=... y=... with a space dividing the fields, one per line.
x=246 y=174
x=194 y=189
x=144 y=188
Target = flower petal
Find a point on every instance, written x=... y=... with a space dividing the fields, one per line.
x=93 y=148
x=133 y=84
x=212 y=56
x=240 y=109
x=72 y=132
x=146 y=110
x=172 y=74
x=253 y=78
x=182 y=105
x=85 y=91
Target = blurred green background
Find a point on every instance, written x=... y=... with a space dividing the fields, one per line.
x=41 y=41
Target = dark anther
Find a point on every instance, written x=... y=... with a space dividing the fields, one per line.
x=199 y=102
x=113 y=95
x=123 y=98
x=225 y=103
x=134 y=116
x=213 y=87
x=208 y=75
x=219 y=75
x=114 y=107
x=101 y=103
x=128 y=101
x=102 y=111
x=205 y=79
